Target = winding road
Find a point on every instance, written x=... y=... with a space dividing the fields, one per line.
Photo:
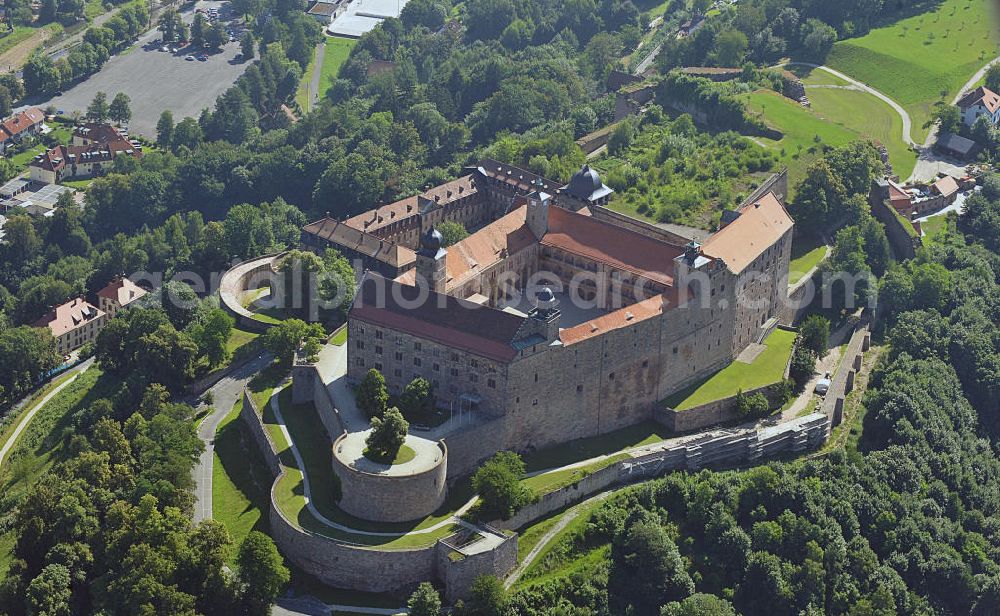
x=929 y=163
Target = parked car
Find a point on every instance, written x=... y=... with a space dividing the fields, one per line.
x=189 y=58
x=823 y=385
x=203 y=58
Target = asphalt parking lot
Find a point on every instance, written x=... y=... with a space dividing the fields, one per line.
x=156 y=80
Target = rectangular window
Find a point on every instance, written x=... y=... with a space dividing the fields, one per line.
x=416 y=361
x=437 y=367
x=399 y=356
x=491 y=383
x=474 y=378
x=378 y=334
x=360 y=344
x=417 y=346
x=398 y=373
x=378 y=366
x=378 y=350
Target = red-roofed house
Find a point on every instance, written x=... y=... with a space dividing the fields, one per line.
x=91 y=153
x=19 y=126
x=980 y=102
x=73 y=324
x=117 y=294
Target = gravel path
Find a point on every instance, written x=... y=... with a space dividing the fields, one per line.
x=26 y=420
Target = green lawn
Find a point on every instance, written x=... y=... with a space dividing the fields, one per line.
x=238 y=338
x=23 y=33
x=867 y=116
x=559 y=557
x=807 y=252
x=240 y=482
x=922 y=59
x=767 y=368
x=77 y=184
x=799 y=146
x=552 y=481
x=11 y=425
x=340 y=337
x=337 y=50
x=314 y=446
x=932 y=227
x=583 y=449
x=812 y=76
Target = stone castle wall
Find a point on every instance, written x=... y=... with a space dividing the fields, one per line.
x=712 y=413
x=308 y=386
x=343 y=564
x=391 y=498
x=721 y=448
x=599 y=212
x=242 y=277
x=459 y=571
x=470 y=446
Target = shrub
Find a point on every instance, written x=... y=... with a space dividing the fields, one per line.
x=498 y=483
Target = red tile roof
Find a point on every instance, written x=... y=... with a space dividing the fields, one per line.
x=20 y=122
x=341 y=234
x=611 y=245
x=123 y=291
x=405 y=208
x=444 y=319
x=981 y=95
x=69 y=316
x=946 y=186
x=758 y=227
x=623 y=317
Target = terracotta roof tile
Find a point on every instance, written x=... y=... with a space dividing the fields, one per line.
x=22 y=121
x=946 y=186
x=122 y=290
x=69 y=316
x=623 y=317
x=614 y=246
x=758 y=227
x=444 y=319
x=982 y=94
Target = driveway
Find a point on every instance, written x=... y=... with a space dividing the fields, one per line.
x=225 y=394
x=157 y=80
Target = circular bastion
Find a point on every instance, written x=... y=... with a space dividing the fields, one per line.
x=390 y=492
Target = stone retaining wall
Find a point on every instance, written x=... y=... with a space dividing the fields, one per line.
x=716 y=448
x=391 y=498
x=641 y=227
x=459 y=570
x=469 y=447
x=243 y=277
x=308 y=386
x=712 y=413
x=842 y=381
x=368 y=568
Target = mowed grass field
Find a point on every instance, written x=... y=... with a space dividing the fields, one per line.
x=923 y=59
x=804 y=132
x=869 y=117
x=837 y=116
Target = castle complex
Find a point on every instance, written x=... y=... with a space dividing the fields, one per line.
x=555 y=319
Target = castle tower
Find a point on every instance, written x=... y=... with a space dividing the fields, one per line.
x=544 y=317
x=431 y=261
x=538 y=212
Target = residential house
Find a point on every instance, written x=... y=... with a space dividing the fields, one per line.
x=73 y=324
x=323 y=11
x=91 y=152
x=980 y=102
x=117 y=294
x=19 y=126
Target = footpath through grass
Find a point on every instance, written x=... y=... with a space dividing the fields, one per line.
x=314 y=446
x=804 y=132
x=924 y=58
x=868 y=116
x=767 y=368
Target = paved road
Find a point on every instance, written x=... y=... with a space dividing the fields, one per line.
x=26 y=420
x=226 y=392
x=314 y=84
x=907 y=123
x=157 y=80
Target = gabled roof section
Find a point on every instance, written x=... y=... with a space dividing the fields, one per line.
x=341 y=234
x=758 y=227
x=981 y=95
x=441 y=318
x=623 y=317
x=612 y=245
x=122 y=290
x=69 y=316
